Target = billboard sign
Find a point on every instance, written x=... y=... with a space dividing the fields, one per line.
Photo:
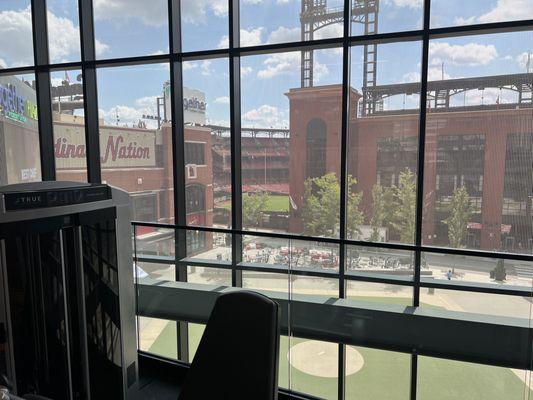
x=194 y=105
x=14 y=106
x=119 y=147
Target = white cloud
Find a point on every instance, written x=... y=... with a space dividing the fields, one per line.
x=15 y=35
x=246 y=71
x=206 y=71
x=471 y=54
x=222 y=100
x=278 y=64
x=485 y=97
x=413 y=4
x=65 y=39
x=3 y=64
x=129 y=115
x=330 y=31
x=248 y=38
x=195 y=11
x=188 y=65
x=219 y=7
x=287 y=63
x=153 y=13
x=252 y=1
x=525 y=61
x=266 y=116
x=434 y=74
x=282 y=35
x=505 y=10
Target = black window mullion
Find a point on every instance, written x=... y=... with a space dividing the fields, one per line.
x=235 y=129
x=46 y=126
x=178 y=159
x=420 y=182
x=90 y=91
x=345 y=126
x=42 y=89
x=421 y=153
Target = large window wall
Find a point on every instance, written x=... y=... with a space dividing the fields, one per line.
x=372 y=151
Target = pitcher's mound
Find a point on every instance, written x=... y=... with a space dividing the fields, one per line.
x=321 y=359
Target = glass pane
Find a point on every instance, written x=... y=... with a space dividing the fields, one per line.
x=16 y=42
x=508 y=274
x=517 y=308
x=314 y=367
x=278 y=283
x=126 y=28
x=207 y=142
x=314 y=286
x=204 y=24
x=383 y=140
x=63 y=31
x=208 y=246
x=265 y=281
x=389 y=263
x=154 y=270
x=19 y=133
x=380 y=293
x=377 y=374
x=136 y=146
x=195 y=335
x=445 y=379
x=457 y=12
x=69 y=125
x=209 y=276
x=314 y=364
x=158 y=336
x=289 y=21
x=290 y=178
x=266 y=251
x=374 y=16
x=479 y=144
x=154 y=242
x=313 y=255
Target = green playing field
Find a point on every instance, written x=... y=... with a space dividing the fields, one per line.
x=384 y=375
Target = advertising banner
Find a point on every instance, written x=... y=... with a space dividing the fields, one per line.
x=194 y=105
x=119 y=147
x=19 y=138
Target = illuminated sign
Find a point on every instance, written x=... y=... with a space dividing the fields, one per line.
x=14 y=106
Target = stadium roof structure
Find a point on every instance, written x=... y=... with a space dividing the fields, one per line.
x=440 y=92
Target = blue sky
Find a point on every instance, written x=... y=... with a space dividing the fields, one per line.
x=137 y=27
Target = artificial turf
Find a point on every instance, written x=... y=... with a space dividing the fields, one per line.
x=384 y=376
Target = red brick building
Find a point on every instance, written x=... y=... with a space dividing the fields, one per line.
x=489 y=150
x=139 y=161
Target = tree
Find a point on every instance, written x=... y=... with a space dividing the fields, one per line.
x=499 y=273
x=253 y=204
x=404 y=215
x=382 y=207
x=354 y=217
x=457 y=221
x=320 y=210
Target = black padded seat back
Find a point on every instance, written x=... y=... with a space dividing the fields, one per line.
x=238 y=355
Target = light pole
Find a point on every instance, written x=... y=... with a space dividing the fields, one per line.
x=160 y=102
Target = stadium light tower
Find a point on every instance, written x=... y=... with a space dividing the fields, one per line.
x=316 y=15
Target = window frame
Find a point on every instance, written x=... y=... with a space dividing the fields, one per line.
x=175 y=58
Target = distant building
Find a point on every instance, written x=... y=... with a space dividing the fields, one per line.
x=487 y=149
